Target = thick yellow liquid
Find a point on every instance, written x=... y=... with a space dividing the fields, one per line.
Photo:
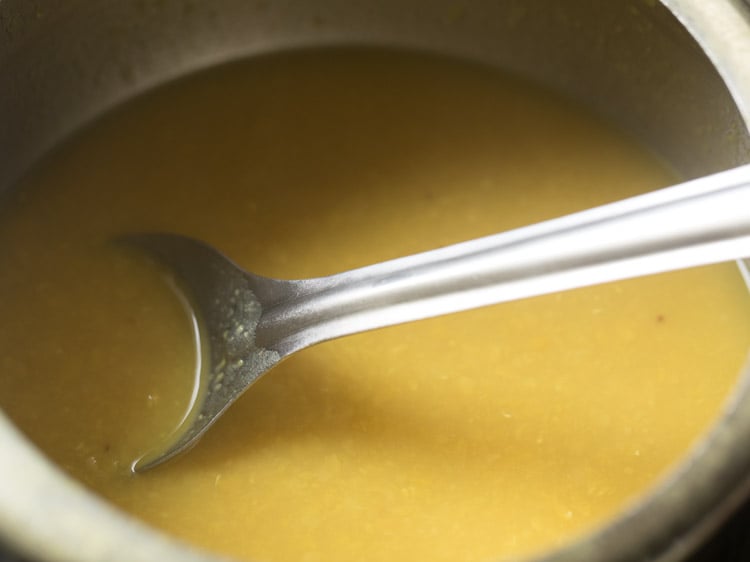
x=482 y=435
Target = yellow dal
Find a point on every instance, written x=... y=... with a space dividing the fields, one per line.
x=485 y=434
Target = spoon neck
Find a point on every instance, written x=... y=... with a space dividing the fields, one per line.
x=695 y=223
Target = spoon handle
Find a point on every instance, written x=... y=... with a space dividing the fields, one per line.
x=699 y=222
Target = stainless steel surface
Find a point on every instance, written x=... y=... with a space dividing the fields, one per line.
x=682 y=88
x=251 y=322
x=627 y=59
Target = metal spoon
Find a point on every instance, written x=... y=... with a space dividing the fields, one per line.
x=250 y=323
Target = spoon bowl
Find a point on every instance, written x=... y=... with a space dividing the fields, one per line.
x=248 y=323
x=226 y=303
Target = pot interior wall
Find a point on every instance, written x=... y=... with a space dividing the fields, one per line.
x=64 y=62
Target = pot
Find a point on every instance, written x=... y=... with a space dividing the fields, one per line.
x=676 y=75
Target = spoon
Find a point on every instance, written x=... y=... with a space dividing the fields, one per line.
x=249 y=323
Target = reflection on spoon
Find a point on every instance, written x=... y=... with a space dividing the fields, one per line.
x=248 y=323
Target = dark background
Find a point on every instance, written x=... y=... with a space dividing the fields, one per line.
x=731 y=543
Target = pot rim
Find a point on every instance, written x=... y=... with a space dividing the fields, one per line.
x=669 y=522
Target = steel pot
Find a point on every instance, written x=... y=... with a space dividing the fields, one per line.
x=674 y=74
